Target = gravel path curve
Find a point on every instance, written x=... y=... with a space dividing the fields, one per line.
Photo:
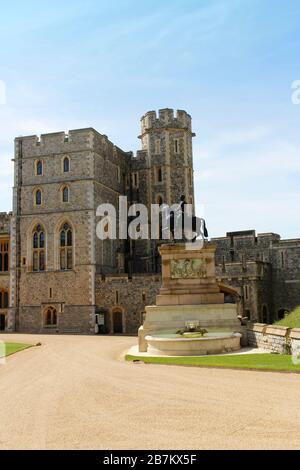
x=76 y=392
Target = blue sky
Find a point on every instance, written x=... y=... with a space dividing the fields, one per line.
x=229 y=63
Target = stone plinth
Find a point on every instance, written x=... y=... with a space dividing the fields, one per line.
x=188 y=276
x=189 y=292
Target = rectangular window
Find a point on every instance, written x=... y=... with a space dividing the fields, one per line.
x=135 y=180
x=223 y=263
x=282 y=259
x=4 y=298
x=157 y=147
x=159 y=176
x=4 y=256
x=246 y=292
x=176 y=145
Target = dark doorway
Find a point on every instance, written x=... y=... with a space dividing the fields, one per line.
x=2 y=322
x=117 y=322
x=282 y=312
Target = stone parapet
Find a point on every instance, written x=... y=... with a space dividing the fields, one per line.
x=274 y=338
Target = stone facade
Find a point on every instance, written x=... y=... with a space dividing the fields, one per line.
x=46 y=296
x=127 y=295
x=264 y=269
x=5 y=220
x=116 y=279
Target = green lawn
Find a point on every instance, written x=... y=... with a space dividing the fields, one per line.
x=12 y=348
x=275 y=362
x=292 y=320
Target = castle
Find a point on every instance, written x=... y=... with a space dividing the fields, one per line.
x=57 y=276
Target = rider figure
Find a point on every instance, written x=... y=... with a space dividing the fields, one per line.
x=182 y=209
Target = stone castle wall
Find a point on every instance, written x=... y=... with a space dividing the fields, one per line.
x=33 y=292
x=274 y=338
x=264 y=269
x=264 y=265
x=130 y=296
x=5 y=221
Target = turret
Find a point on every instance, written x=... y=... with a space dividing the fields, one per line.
x=167 y=138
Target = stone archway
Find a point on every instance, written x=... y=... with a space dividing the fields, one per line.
x=117 y=321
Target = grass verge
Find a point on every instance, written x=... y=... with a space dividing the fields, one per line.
x=271 y=362
x=7 y=349
x=292 y=320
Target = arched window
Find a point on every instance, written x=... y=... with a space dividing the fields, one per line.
x=4 y=256
x=66 y=247
x=50 y=316
x=38 y=245
x=38 y=197
x=4 y=298
x=39 y=168
x=65 y=194
x=66 y=165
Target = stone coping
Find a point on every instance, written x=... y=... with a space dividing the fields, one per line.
x=180 y=248
x=258 y=327
x=159 y=338
x=295 y=333
x=276 y=330
x=134 y=351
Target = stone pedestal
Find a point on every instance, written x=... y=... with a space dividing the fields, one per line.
x=188 y=276
x=189 y=292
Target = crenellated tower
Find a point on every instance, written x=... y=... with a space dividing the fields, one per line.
x=167 y=140
x=161 y=172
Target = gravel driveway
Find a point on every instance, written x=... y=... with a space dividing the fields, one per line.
x=75 y=392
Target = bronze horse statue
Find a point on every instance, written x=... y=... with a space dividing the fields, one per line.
x=176 y=221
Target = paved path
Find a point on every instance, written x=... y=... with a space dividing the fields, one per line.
x=75 y=392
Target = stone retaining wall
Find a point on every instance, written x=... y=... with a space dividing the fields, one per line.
x=274 y=338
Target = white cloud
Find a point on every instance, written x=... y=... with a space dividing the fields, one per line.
x=245 y=154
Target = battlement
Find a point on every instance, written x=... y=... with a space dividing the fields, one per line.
x=141 y=155
x=5 y=219
x=166 y=118
x=254 y=269
x=77 y=140
x=57 y=142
